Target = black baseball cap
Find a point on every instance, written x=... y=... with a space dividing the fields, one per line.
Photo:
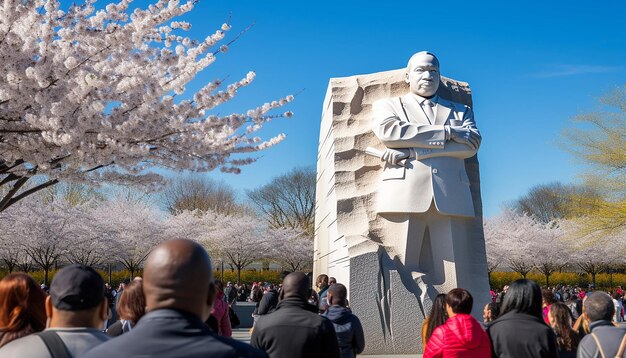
x=77 y=287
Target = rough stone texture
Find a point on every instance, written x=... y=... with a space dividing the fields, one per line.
x=346 y=245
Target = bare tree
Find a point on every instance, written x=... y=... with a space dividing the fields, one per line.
x=554 y=201
x=288 y=201
x=201 y=194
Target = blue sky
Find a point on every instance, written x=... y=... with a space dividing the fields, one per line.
x=531 y=67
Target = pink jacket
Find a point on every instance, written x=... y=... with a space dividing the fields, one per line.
x=220 y=312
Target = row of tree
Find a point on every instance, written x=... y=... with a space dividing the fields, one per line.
x=521 y=243
x=47 y=233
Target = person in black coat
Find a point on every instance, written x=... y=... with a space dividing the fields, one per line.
x=520 y=331
x=294 y=329
x=268 y=302
x=347 y=326
x=179 y=290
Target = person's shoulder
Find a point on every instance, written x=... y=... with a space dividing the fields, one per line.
x=29 y=346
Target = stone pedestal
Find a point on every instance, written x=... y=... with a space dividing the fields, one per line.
x=391 y=305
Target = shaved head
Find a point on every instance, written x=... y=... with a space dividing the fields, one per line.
x=178 y=275
x=339 y=294
x=296 y=284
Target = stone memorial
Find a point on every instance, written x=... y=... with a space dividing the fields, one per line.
x=399 y=214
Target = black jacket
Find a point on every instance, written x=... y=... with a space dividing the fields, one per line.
x=268 y=303
x=172 y=333
x=294 y=331
x=521 y=335
x=349 y=331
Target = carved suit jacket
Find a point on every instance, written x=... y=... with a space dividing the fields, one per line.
x=435 y=170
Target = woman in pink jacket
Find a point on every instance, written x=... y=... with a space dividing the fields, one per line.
x=220 y=312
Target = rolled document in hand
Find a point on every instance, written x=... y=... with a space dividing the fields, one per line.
x=374 y=152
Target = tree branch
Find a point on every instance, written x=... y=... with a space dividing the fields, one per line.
x=4 y=203
x=13 y=200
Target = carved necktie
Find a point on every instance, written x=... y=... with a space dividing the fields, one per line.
x=428 y=109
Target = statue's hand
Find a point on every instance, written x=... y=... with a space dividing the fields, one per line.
x=465 y=136
x=394 y=156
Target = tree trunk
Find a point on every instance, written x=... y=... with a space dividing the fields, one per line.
x=547 y=279
x=593 y=279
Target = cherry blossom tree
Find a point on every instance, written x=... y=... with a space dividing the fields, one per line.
x=524 y=244
x=506 y=242
x=134 y=227
x=238 y=239
x=97 y=96
x=594 y=252
x=11 y=251
x=292 y=248
x=42 y=229
x=89 y=246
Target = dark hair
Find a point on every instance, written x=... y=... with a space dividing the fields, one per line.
x=132 y=303
x=219 y=285
x=494 y=310
x=22 y=307
x=599 y=307
x=460 y=301
x=523 y=296
x=322 y=279
x=339 y=294
x=561 y=321
x=437 y=316
x=548 y=296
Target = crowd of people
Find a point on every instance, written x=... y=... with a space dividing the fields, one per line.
x=177 y=310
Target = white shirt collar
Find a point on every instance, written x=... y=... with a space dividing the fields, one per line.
x=420 y=99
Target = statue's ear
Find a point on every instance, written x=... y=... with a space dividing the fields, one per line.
x=406 y=77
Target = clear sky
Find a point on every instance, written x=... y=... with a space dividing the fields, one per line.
x=531 y=65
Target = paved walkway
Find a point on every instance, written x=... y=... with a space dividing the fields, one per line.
x=243 y=334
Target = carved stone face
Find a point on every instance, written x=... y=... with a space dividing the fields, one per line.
x=423 y=75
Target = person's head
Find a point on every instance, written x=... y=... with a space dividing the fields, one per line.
x=523 y=296
x=459 y=300
x=332 y=281
x=422 y=74
x=177 y=275
x=560 y=318
x=491 y=312
x=599 y=307
x=437 y=315
x=560 y=315
x=22 y=307
x=124 y=282
x=219 y=285
x=132 y=303
x=616 y=295
x=548 y=297
x=77 y=298
x=321 y=281
x=296 y=285
x=337 y=295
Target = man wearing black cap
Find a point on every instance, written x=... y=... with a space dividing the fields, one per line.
x=76 y=310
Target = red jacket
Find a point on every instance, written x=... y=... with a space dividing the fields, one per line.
x=460 y=336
